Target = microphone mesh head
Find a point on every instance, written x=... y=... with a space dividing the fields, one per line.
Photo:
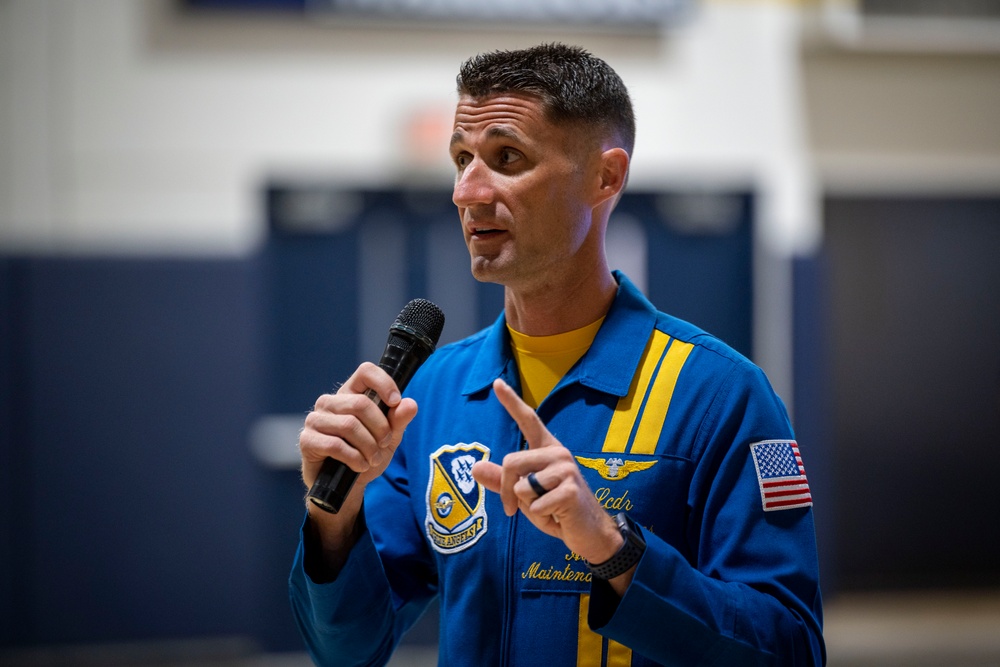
x=424 y=318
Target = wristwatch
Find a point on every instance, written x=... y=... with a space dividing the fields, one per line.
x=628 y=554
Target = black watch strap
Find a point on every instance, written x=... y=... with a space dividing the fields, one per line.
x=628 y=554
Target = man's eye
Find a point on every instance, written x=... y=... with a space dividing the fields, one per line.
x=461 y=161
x=508 y=156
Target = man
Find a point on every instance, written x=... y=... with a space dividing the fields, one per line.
x=631 y=519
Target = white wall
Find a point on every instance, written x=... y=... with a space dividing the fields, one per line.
x=128 y=125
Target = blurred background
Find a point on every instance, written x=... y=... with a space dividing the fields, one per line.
x=211 y=210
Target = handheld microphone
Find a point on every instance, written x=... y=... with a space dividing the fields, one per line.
x=412 y=338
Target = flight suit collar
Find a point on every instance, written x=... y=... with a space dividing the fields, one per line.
x=608 y=366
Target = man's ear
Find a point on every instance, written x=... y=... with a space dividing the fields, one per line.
x=613 y=172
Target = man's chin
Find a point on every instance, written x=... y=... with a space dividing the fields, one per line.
x=487 y=270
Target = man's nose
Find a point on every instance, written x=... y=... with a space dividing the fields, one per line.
x=473 y=186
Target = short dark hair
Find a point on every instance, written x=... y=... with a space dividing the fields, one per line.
x=573 y=85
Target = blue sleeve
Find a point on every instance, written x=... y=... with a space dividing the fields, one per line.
x=349 y=620
x=360 y=616
x=745 y=590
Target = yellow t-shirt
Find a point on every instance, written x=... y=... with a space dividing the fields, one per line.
x=543 y=360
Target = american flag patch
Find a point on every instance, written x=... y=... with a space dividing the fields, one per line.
x=781 y=476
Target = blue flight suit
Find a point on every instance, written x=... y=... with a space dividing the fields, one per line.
x=669 y=425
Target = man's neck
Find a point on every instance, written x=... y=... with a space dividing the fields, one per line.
x=554 y=309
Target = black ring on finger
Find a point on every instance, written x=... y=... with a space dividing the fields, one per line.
x=536 y=486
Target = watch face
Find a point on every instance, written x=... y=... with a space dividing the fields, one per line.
x=629 y=529
x=629 y=553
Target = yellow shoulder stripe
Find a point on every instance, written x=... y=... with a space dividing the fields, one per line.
x=648 y=433
x=637 y=422
x=629 y=406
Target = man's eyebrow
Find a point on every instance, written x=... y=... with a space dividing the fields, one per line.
x=501 y=132
x=494 y=132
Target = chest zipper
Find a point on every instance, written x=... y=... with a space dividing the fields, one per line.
x=509 y=582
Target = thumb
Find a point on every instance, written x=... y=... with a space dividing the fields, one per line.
x=487 y=474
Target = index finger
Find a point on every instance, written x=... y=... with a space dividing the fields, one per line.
x=375 y=382
x=527 y=420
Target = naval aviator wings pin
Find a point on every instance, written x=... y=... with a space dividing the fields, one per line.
x=614 y=468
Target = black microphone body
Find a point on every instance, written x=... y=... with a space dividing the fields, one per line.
x=412 y=338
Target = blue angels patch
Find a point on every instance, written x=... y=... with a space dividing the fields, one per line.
x=456 y=503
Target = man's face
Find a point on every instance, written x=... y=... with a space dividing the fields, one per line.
x=520 y=189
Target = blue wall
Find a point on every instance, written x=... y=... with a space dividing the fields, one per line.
x=129 y=387
x=912 y=290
